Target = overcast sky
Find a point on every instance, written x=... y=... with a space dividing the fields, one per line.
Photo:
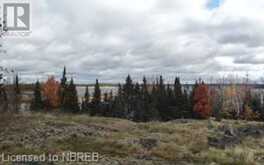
x=108 y=39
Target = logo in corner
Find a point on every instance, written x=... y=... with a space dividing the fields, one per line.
x=16 y=16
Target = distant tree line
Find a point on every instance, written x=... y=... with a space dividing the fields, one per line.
x=145 y=101
x=138 y=102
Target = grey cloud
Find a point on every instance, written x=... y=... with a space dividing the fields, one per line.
x=109 y=40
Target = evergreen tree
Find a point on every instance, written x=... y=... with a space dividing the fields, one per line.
x=118 y=104
x=138 y=110
x=87 y=95
x=16 y=93
x=187 y=107
x=255 y=104
x=86 y=100
x=70 y=103
x=17 y=88
x=3 y=98
x=63 y=85
x=170 y=96
x=149 y=109
x=110 y=104
x=106 y=97
x=64 y=78
x=128 y=94
x=179 y=99
x=96 y=101
x=172 y=109
x=128 y=87
x=106 y=108
x=120 y=91
x=97 y=93
x=37 y=102
x=146 y=101
x=162 y=105
x=111 y=96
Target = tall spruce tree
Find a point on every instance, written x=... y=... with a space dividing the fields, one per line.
x=63 y=85
x=179 y=99
x=146 y=101
x=3 y=98
x=64 y=78
x=17 y=92
x=37 y=102
x=86 y=100
x=172 y=109
x=128 y=94
x=162 y=105
x=70 y=103
x=96 y=101
x=137 y=102
x=128 y=87
x=118 y=104
x=106 y=98
x=87 y=95
x=187 y=107
x=111 y=96
x=97 y=93
x=17 y=88
x=111 y=99
x=149 y=108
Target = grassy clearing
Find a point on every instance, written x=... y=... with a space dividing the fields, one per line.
x=124 y=141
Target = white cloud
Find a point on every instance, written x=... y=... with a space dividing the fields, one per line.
x=109 y=39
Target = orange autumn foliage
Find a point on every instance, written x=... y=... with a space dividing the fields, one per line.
x=202 y=106
x=51 y=93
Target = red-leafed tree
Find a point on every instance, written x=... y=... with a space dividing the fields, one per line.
x=202 y=105
x=51 y=93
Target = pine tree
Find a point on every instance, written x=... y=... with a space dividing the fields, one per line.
x=111 y=96
x=16 y=93
x=120 y=91
x=172 y=109
x=137 y=102
x=162 y=105
x=149 y=108
x=106 y=99
x=3 y=96
x=71 y=103
x=179 y=99
x=96 y=101
x=37 y=102
x=97 y=93
x=256 y=106
x=86 y=100
x=64 y=78
x=170 y=96
x=17 y=88
x=63 y=85
x=187 y=107
x=118 y=104
x=87 y=95
x=110 y=104
x=128 y=92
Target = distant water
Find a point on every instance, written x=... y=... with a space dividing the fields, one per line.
x=81 y=90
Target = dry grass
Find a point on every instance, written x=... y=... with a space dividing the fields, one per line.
x=186 y=143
